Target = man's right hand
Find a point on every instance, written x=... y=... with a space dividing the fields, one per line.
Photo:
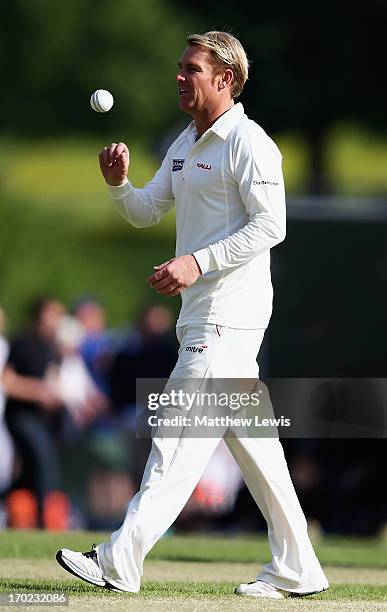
x=114 y=163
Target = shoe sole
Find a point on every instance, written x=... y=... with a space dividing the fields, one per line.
x=288 y=594
x=260 y=596
x=69 y=569
x=307 y=594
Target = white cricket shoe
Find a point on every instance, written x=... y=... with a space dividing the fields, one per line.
x=261 y=589
x=83 y=565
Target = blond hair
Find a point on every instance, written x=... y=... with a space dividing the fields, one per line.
x=228 y=53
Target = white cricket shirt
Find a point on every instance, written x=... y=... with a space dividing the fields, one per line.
x=230 y=210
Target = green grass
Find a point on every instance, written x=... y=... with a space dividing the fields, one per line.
x=337 y=551
x=356 y=162
x=39 y=547
x=63 y=176
x=172 y=589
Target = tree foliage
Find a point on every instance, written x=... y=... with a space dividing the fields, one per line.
x=313 y=65
x=53 y=55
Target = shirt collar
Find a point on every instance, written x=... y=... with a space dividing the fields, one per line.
x=222 y=126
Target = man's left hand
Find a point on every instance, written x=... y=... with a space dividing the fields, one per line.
x=171 y=277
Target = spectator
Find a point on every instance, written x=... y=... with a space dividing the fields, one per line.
x=80 y=395
x=98 y=344
x=34 y=415
x=6 y=446
x=148 y=351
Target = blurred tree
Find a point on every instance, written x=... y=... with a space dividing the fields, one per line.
x=54 y=54
x=312 y=66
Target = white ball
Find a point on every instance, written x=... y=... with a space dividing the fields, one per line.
x=101 y=101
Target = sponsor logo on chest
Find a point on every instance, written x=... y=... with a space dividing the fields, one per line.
x=204 y=166
x=265 y=183
x=177 y=164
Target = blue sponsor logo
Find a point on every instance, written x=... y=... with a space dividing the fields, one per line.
x=177 y=164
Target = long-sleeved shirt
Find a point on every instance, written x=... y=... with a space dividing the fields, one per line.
x=229 y=194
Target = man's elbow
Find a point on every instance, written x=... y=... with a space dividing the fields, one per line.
x=138 y=222
x=278 y=233
x=142 y=223
x=281 y=235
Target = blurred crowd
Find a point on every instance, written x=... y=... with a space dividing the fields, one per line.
x=69 y=455
x=68 y=385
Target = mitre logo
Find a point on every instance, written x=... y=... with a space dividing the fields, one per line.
x=196 y=349
x=204 y=166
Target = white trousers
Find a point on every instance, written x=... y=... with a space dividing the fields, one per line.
x=175 y=466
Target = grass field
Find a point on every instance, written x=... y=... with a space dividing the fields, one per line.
x=195 y=573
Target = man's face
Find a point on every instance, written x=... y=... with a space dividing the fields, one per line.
x=49 y=318
x=197 y=81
